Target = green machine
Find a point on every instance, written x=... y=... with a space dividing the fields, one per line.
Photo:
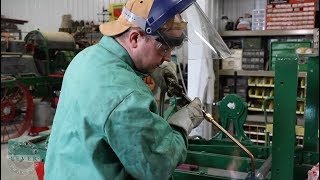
x=35 y=72
x=222 y=159
x=52 y=51
x=227 y=156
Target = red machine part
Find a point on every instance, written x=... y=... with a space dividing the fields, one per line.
x=30 y=48
x=16 y=110
x=34 y=131
x=39 y=167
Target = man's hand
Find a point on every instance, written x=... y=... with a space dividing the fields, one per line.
x=164 y=71
x=188 y=117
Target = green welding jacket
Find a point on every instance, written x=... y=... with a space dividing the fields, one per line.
x=107 y=124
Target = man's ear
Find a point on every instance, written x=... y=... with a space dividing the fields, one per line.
x=133 y=38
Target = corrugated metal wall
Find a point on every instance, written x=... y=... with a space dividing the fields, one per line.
x=47 y=14
x=214 y=11
x=235 y=9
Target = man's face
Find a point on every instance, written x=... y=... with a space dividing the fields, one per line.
x=151 y=51
x=150 y=54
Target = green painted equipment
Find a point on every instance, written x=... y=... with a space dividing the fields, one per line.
x=36 y=73
x=232 y=109
x=212 y=159
x=52 y=51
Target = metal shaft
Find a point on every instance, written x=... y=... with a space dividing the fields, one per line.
x=263 y=171
x=162 y=101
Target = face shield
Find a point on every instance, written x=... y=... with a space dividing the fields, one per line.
x=172 y=34
x=192 y=25
x=173 y=22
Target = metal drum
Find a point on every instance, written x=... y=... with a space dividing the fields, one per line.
x=43 y=114
x=17 y=46
x=18 y=65
x=51 y=40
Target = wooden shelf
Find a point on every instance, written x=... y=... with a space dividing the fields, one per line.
x=14 y=21
x=255 y=133
x=257 y=114
x=252 y=73
x=298 y=32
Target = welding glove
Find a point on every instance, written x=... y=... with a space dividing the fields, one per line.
x=188 y=117
x=164 y=71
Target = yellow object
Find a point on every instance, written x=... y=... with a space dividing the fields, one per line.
x=115 y=10
x=304 y=50
x=299 y=129
x=251 y=81
x=120 y=23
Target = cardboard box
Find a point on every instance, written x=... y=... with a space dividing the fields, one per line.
x=234 y=62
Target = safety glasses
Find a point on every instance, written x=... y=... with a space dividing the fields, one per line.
x=167 y=43
x=163 y=49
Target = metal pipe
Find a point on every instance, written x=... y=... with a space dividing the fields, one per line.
x=263 y=171
x=182 y=80
x=161 y=104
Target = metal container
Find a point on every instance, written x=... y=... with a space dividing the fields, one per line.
x=43 y=114
x=18 y=65
x=3 y=46
x=17 y=46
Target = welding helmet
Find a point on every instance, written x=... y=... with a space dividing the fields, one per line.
x=167 y=22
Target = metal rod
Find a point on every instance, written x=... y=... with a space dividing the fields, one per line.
x=162 y=101
x=209 y=118
x=263 y=171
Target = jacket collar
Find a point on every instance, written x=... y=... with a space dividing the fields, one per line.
x=114 y=47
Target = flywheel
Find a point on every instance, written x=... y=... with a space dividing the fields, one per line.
x=16 y=108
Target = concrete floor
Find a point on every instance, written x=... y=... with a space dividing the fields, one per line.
x=16 y=170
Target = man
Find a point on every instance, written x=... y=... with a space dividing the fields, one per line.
x=107 y=125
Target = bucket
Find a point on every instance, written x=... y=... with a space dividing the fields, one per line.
x=66 y=21
x=43 y=114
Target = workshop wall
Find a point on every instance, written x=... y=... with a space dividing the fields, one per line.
x=235 y=9
x=47 y=14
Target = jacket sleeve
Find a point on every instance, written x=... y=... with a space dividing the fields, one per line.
x=143 y=141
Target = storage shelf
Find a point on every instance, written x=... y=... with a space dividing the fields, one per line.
x=14 y=21
x=258 y=141
x=256 y=133
x=265 y=97
x=268 y=110
x=301 y=32
x=260 y=118
x=263 y=85
x=258 y=109
x=262 y=82
x=252 y=73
